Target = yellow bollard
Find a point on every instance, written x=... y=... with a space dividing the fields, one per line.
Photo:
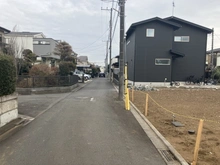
x=132 y=95
x=146 y=105
x=127 y=104
x=198 y=140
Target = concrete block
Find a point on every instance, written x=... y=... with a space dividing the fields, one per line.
x=8 y=108
x=8 y=105
x=9 y=97
x=8 y=116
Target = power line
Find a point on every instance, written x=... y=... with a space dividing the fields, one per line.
x=94 y=48
x=217 y=36
x=94 y=41
x=114 y=11
x=115 y=27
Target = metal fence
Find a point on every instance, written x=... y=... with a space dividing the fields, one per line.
x=49 y=81
x=115 y=76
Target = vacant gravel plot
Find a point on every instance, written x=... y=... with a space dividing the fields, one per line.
x=190 y=104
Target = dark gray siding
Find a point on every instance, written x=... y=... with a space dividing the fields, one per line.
x=149 y=48
x=195 y=53
x=44 y=49
x=130 y=52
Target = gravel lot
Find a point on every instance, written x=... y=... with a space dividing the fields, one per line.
x=190 y=104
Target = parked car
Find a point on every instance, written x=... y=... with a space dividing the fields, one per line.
x=87 y=76
x=101 y=74
x=80 y=74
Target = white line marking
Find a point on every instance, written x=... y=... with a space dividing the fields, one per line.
x=82 y=97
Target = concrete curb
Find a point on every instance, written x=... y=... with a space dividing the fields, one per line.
x=165 y=142
x=11 y=128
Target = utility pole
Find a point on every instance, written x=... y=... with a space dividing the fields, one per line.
x=212 y=58
x=110 y=48
x=106 y=58
x=121 y=49
x=110 y=42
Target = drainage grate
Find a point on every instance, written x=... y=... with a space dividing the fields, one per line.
x=169 y=157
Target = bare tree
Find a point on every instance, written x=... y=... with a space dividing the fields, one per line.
x=15 y=47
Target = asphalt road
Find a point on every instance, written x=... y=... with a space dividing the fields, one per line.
x=33 y=105
x=88 y=127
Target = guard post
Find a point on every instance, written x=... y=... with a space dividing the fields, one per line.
x=127 y=104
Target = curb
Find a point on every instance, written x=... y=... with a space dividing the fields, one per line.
x=11 y=128
x=180 y=159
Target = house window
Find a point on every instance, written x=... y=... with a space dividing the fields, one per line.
x=44 y=42
x=181 y=38
x=162 y=61
x=41 y=42
x=35 y=42
x=150 y=33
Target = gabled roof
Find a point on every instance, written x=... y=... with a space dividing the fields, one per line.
x=4 y=30
x=134 y=25
x=189 y=23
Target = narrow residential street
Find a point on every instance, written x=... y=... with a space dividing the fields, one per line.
x=88 y=127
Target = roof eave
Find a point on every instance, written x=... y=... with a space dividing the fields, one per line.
x=5 y=30
x=190 y=23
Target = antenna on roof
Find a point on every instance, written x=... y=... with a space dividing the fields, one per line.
x=173 y=8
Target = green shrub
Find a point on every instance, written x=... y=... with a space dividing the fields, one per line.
x=66 y=67
x=216 y=73
x=7 y=75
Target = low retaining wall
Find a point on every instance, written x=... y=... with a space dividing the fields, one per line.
x=8 y=108
x=45 y=90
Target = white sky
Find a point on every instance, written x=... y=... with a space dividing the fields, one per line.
x=84 y=25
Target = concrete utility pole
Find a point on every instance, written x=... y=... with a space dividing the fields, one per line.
x=212 y=58
x=106 y=58
x=121 y=49
x=110 y=42
x=110 y=47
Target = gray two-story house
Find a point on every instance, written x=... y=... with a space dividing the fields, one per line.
x=44 y=49
x=170 y=49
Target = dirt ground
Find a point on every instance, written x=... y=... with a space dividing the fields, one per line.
x=199 y=103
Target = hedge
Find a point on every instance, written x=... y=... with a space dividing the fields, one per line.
x=66 y=67
x=7 y=75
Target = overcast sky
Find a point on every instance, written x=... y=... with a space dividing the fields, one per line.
x=84 y=25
